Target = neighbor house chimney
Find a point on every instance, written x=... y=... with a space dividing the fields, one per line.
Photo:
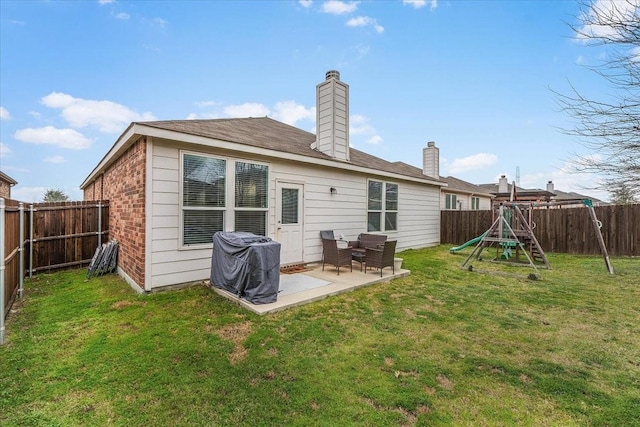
x=503 y=185
x=431 y=160
x=550 y=186
x=332 y=117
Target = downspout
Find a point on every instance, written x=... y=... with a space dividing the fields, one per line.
x=2 y=303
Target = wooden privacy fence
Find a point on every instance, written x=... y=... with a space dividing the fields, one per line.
x=565 y=230
x=45 y=236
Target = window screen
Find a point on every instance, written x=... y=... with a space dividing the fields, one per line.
x=203 y=198
x=252 y=194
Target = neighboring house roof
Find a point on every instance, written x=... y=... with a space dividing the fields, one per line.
x=6 y=178
x=458 y=185
x=557 y=195
x=264 y=133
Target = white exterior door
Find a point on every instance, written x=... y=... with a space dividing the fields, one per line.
x=289 y=221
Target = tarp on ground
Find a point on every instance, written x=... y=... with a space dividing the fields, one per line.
x=246 y=265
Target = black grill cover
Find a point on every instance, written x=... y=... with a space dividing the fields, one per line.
x=246 y=265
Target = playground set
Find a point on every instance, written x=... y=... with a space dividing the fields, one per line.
x=511 y=234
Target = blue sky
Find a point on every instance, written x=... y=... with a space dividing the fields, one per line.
x=473 y=76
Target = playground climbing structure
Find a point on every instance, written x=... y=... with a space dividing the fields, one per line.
x=511 y=235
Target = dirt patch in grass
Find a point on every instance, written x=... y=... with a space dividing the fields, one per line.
x=237 y=333
x=119 y=305
x=444 y=382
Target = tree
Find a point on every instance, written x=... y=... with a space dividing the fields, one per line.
x=622 y=195
x=610 y=128
x=55 y=196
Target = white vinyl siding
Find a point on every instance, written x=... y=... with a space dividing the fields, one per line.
x=418 y=215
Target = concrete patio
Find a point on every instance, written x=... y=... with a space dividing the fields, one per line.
x=314 y=284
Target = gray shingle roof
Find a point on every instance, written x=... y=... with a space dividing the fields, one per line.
x=454 y=184
x=267 y=133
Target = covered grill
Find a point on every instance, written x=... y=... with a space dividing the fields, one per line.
x=246 y=265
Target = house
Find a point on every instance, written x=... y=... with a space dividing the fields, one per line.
x=173 y=184
x=6 y=182
x=503 y=190
x=463 y=195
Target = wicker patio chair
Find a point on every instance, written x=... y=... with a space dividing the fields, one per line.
x=381 y=258
x=339 y=257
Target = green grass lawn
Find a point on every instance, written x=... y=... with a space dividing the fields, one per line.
x=442 y=346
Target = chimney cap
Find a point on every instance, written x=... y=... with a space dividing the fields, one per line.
x=431 y=144
x=333 y=74
x=503 y=176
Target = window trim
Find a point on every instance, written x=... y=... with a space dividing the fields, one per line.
x=448 y=201
x=181 y=206
x=230 y=209
x=475 y=206
x=383 y=207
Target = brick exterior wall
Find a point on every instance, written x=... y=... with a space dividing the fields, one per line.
x=5 y=189
x=123 y=184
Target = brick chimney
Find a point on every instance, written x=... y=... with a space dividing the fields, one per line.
x=503 y=184
x=332 y=117
x=431 y=160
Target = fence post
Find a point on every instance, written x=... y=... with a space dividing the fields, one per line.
x=2 y=302
x=99 y=224
x=31 y=241
x=21 y=252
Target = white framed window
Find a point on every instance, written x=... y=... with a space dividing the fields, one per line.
x=220 y=194
x=252 y=196
x=475 y=203
x=382 y=206
x=450 y=201
x=203 y=201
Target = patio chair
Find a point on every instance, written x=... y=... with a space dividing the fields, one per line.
x=365 y=240
x=339 y=257
x=381 y=258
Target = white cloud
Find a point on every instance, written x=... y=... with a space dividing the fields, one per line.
x=54 y=159
x=476 y=161
x=28 y=194
x=4 y=114
x=207 y=103
x=248 y=109
x=374 y=140
x=364 y=21
x=415 y=3
x=579 y=59
x=608 y=11
x=16 y=22
x=4 y=150
x=122 y=15
x=336 y=7
x=160 y=22
x=305 y=3
x=359 y=125
x=65 y=138
x=566 y=178
x=34 y=114
x=103 y=2
x=290 y=112
x=421 y=3
x=107 y=116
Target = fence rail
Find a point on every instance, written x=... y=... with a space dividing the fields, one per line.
x=45 y=236
x=566 y=230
